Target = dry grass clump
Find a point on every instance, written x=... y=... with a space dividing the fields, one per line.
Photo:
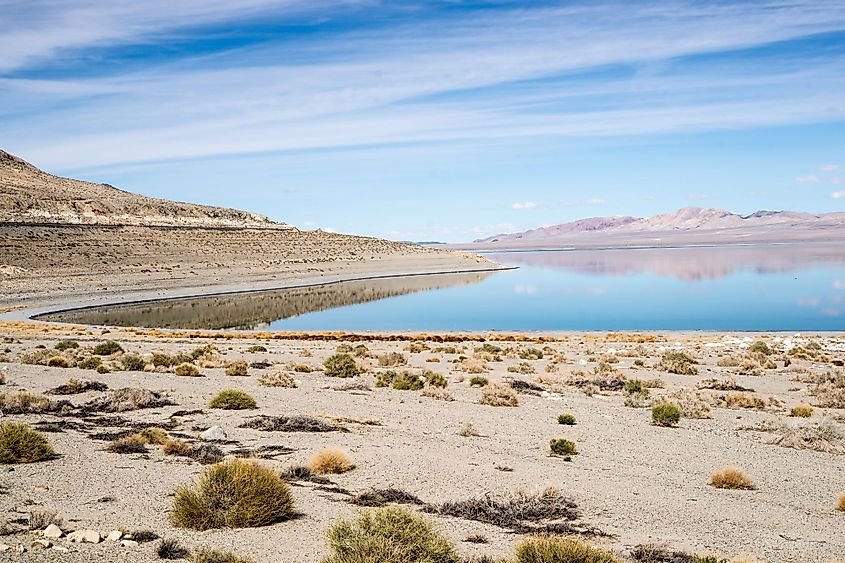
x=128 y=399
x=498 y=395
x=302 y=368
x=107 y=348
x=177 y=448
x=478 y=381
x=468 y=430
x=20 y=444
x=76 y=386
x=840 y=503
x=824 y=436
x=233 y=494
x=40 y=519
x=186 y=370
x=133 y=444
x=133 y=362
x=232 y=399
x=727 y=384
x=690 y=403
x=382 y=497
x=208 y=555
x=522 y=511
x=256 y=348
x=552 y=549
x=731 y=478
x=237 y=369
x=341 y=365
x=744 y=401
x=665 y=414
x=58 y=362
x=438 y=393
x=801 y=411
x=330 y=461
x=24 y=402
x=297 y=423
x=392 y=359
x=154 y=435
x=388 y=535
x=171 y=549
x=471 y=365
x=277 y=379
x=524 y=368
x=678 y=363
x=829 y=390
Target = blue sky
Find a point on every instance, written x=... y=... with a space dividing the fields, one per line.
x=443 y=120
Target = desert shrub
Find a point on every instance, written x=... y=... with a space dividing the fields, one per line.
x=237 y=369
x=20 y=444
x=102 y=368
x=24 y=402
x=171 y=549
x=302 y=368
x=665 y=414
x=551 y=549
x=417 y=347
x=256 y=349
x=128 y=399
x=562 y=447
x=383 y=497
x=531 y=354
x=186 y=370
x=162 y=359
x=498 y=395
x=154 y=435
x=731 y=478
x=566 y=418
x=468 y=430
x=488 y=348
x=232 y=399
x=633 y=386
x=639 y=363
x=63 y=345
x=177 y=448
x=233 y=494
x=132 y=362
x=760 y=347
x=639 y=400
x=385 y=378
x=91 y=362
x=744 y=401
x=690 y=403
x=341 y=365
x=801 y=411
x=822 y=437
x=829 y=390
x=679 y=363
x=840 y=502
x=133 y=444
x=277 y=379
x=392 y=359
x=208 y=555
x=388 y=535
x=296 y=423
x=439 y=393
x=107 y=348
x=40 y=519
x=471 y=365
x=523 y=368
x=330 y=460
x=478 y=381
x=58 y=362
x=434 y=379
x=407 y=381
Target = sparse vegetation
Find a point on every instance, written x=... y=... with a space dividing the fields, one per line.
x=58 y=362
x=232 y=399
x=76 y=386
x=255 y=349
x=237 y=369
x=127 y=399
x=133 y=444
x=531 y=354
x=341 y=365
x=392 y=359
x=665 y=414
x=277 y=379
x=678 y=363
x=388 y=535
x=562 y=447
x=171 y=549
x=107 y=348
x=330 y=460
x=186 y=370
x=20 y=444
x=132 y=362
x=566 y=418
x=801 y=411
x=91 y=362
x=24 y=402
x=233 y=494
x=731 y=478
x=498 y=395
x=551 y=549
x=63 y=345
x=478 y=381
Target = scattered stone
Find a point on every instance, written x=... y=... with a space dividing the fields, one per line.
x=5 y=547
x=61 y=548
x=128 y=543
x=40 y=544
x=19 y=548
x=53 y=532
x=214 y=434
x=84 y=536
x=115 y=535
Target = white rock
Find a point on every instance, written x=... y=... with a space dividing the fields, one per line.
x=40 y=544
x=215 y=433
x=114 y=535
x=128 y=543
x=53 y=532
x=84 y=536
x=5 y=547
x=61 y=548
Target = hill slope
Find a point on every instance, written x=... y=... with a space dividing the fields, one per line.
x=30 y=195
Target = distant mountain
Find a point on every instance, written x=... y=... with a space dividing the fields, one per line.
x=692 y=225
x=30 y=195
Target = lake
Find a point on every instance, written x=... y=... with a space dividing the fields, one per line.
x=778 y=287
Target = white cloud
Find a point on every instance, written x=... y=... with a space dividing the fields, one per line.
x=838 y=195
x=594 y=201
x=830 y=168
x=838 y=284
x=807 y=179
x=524 y=205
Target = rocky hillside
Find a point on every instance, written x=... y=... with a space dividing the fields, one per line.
x=30 y=195
x=711 y=223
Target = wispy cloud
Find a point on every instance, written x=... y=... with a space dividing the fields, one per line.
x=838 y=195
x=524 y=205
x=830 y=168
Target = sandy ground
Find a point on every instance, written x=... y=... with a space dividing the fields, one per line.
x=632 y=480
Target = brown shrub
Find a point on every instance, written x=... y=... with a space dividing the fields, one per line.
x=731 y=478
x=498 y=395
x=330 y=460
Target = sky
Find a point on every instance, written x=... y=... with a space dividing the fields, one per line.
x=445 y=120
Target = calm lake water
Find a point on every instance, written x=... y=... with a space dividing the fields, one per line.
x=715 y=288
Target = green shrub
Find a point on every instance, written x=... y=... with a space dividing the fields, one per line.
x=107 y=348
x=760 y=347
x=91 y=362
x=678 y=363
x=385 y=378
x=341 y=365
x=392 y=359
x=232 y=399
x=488 y=348
x=58 y=362
x=408 y=381
x=802 y=411
x=566 y=418
x=233 y=494
x=102 y=368
x=478 y=381
x=634 y=386
x=237 y=369
x=562 y=446
x=552 y=549
x=154 y=435
x=388 y=535
x=161 y=359
x=132 y=362
x=435 y=379
x=20 y=444
x=531 y=354
x=63 y=345
x=522 y=367
x=255 y=349
x=207 y=555
x=665 y=414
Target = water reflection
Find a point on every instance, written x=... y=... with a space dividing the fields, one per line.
x=255 y=310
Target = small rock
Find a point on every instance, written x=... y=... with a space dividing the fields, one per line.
x=213 y=434
x=5 y=547
x=115 y=535
x=84 y=536
x=42 y=488
x=128 y=543
x=40 y=544
x=61 y=548
x=53 y=532
x=19 y=548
